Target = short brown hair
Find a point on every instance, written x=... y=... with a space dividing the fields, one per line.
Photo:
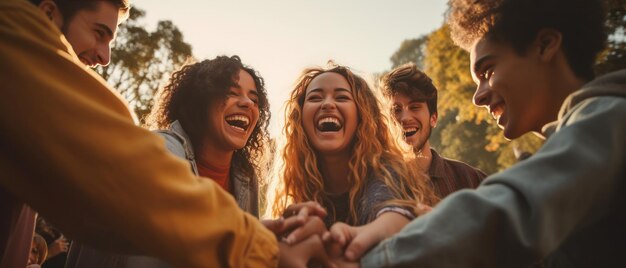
x=68 y=8
x=410 y=81
x=581 y=22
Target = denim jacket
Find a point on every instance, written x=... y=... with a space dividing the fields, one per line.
x=245 y=189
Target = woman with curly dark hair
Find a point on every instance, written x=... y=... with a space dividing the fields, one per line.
x=214 y=114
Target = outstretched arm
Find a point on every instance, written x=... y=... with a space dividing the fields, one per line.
x=526 y=212
x=64 y=131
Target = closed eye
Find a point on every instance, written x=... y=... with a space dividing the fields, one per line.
x=343 y=98
x=314 y=98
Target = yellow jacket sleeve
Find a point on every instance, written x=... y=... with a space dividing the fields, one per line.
x=69 y=148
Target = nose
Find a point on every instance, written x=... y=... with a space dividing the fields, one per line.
x=103 y=55
x=328 y=103
x=482 y=95
x=245 y=102
x=405 y=117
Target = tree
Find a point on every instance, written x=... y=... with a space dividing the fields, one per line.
x=411 y=50
x=141 y=60
x=614 y=56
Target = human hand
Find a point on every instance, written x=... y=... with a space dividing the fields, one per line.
x=308 y=252
x=310 y=225
x=350 y=242
x=355 y=241
x=57 y=247
x=313 y=208
x=296 y=228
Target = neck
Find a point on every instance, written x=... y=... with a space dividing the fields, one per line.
x=424 y=157
x=335 y=170
x=564 y=83
x=215 y=156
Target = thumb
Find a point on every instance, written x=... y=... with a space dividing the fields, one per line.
x=273 y=225
x=359 y=245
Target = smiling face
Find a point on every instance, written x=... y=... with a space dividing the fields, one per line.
x=415 y=118
x=329 y=114
x=232 y=122
x=515 y=89
x=90 y=32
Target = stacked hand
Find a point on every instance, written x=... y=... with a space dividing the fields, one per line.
x=300 y=231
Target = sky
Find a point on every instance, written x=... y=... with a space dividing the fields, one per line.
x=281 y=38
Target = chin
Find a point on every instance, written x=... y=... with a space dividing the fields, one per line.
x=511 y=133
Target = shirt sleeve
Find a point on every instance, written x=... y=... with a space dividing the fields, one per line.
x=373 y=202
x=526 y=212
x=69 y=148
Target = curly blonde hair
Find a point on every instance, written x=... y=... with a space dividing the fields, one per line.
x=375 y=150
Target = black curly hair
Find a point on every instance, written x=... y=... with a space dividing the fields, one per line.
x=581 y=22
x=195 y=88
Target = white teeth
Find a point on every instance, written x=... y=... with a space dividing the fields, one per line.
x=329 y=120
x=410 y=129
x=241 y=118
x=238 y=128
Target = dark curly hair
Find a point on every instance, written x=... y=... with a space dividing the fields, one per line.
x=410 y=81
x=581 y=22
x=195 y=88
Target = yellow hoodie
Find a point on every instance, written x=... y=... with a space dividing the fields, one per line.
x=69 y=148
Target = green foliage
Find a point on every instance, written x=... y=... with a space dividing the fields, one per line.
x=141 y=60
x=614 y=56
x=464 y=141
x=411 y=50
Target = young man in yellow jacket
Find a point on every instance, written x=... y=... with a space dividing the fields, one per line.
x=70 y=149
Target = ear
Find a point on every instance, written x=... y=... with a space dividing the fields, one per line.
x=433 y=119
x=548 y=43
x=51 y=10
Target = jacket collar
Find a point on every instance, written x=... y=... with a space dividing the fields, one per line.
x=612 y=84
x=177 y=128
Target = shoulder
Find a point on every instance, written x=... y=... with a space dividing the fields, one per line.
x=459 y=166
x=174 y=142
x=446 y=167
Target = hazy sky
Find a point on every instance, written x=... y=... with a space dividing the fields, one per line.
x=280 y=38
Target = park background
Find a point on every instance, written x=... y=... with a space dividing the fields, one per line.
x=280 y=38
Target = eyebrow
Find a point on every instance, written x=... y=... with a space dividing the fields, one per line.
x=105 y=28
x=336 y=89
x=478 y=64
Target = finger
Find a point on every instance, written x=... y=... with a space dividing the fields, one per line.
x=340 y=233
x=333 y=249
x=314 y=209
x=292 y=223
x=303 y=213
x=289 y=224
x=312 y=226
x=318 y=252
x=326 y=237
x=359 y=245
x=275 y=225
